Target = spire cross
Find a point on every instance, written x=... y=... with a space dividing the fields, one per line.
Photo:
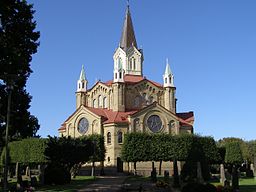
x=128 y=2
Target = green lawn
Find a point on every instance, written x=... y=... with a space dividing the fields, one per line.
x=245 y=184
x=77 y=183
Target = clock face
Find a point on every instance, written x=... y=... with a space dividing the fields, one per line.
x=154 y=123
x=83 y=126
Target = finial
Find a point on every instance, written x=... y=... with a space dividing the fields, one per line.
x=128 y=3
x=167 y=62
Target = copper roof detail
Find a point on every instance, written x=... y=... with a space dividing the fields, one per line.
x=128 y=36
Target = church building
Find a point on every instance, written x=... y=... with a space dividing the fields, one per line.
x=130 y=102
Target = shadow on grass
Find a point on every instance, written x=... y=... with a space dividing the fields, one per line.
x=77 y=183
x=247 y=188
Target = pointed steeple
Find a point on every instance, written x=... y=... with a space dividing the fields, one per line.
x=82 y=81
x=167 y=68
x=82 y=74
x=168 y=76
x=128 y=36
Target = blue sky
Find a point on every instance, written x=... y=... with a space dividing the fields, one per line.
x=211 y=46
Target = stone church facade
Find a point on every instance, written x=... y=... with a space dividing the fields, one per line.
x=129 y=102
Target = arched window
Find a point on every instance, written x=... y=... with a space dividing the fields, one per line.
x=94 y=103
x=108 y=138
x=105 y=102
x=120 y=137
x=100 y=101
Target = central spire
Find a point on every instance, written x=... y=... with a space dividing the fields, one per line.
x=128 y=36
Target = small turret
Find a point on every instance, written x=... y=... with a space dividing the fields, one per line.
x=81 y=89
x=169 y=89
x=168 y=76
x=82 y=82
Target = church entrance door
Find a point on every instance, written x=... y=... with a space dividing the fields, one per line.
x=119 y=165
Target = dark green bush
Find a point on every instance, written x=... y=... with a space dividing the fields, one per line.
x=55 y=174
x=194 y=187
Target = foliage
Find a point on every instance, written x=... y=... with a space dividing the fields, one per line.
x=243 y=145
x=98 y=147
x=67 y=151
x=252 y=151
x=137 y=147
x=18 y=41
x=233 y=153
x=26 y=151
x=166 y=147
x=56 y=175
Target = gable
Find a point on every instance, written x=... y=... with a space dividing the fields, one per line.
x=142 y=120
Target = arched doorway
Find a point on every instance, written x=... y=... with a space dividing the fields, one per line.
x=119 y=165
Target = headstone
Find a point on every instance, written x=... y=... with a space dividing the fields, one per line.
x=222 y=174
x=252 y=169
x=28 y=171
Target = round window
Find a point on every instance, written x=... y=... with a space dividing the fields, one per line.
x=154 y=123
x=83 y=126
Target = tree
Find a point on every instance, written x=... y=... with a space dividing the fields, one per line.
x=234 y=158
x=18 y=42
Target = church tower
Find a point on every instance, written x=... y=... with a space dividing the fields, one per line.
x=127 y=52
x=169 y=89
x=127 y=61
x=81 y=89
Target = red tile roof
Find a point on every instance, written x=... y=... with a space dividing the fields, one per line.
x=110 y=116
x=133 y=79
x=188 y=116
x=186 y=119
x=62 y=128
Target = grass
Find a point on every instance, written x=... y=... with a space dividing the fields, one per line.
x=78 y=183
x=245 y=184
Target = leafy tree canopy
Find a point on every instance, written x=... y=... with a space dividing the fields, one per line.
x=18 y=42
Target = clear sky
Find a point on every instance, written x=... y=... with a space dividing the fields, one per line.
x=211 y=46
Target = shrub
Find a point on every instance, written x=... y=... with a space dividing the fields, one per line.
x=194 y=187
x=55 y=174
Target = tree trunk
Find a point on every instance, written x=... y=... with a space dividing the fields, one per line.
x=102 y=172
x=17 y=170
x=235 y=182
x=134 y=168
x=93 y=169
x=199 y=173
x=176 y=180
x=160 y=168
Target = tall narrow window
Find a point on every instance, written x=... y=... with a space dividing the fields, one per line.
x=165 y=79
x=115 y=75
x=120 y=75
x=120 y=137
x=134 y=64
x=108 y=138
x=105 y=102
x=94 y=103
x=100 y=101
